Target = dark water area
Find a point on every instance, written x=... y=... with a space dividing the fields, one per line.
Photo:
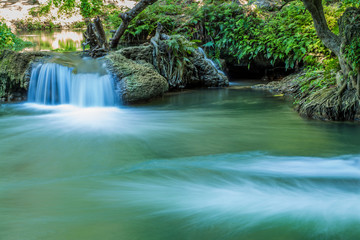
x=231 y=163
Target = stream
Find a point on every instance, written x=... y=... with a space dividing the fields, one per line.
x=205 y=164
x=232 y=163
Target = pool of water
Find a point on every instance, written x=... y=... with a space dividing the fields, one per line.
x=59 y=40
x=231 y=163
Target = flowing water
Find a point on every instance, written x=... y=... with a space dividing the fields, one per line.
x=52 y=83
x=231 y=163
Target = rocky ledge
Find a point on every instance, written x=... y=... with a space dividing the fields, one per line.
x=139 y=77
x=15 y=70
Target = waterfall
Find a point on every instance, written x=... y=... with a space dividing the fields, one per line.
x=52 y=83
x=202 y=52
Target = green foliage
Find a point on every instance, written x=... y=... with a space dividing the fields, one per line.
x=88 y=8
x=66 y=6
x=31 y=25
x=176 y=58
x=350 y=3
x=85 y=8
x=91 y=8
x=179 y=45
x=244 y=34
x=41 y=10
x=8 y=40
x=320 y=76
x=141 y=28
x=286 y=36
x=352 y=53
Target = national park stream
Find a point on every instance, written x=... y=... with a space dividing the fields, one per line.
x=229 y=163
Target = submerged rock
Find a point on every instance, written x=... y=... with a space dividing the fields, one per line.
x=135 y=82
x=15 y=69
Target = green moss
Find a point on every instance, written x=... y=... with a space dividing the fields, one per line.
x=14 y=70
x=138 y=82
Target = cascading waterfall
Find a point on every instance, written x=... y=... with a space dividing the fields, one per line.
x=202 y=52
x=52 y=83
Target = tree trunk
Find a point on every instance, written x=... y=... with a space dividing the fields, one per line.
x=95 y=37
x=329 y=39
x=349 y=28
x=126 y=19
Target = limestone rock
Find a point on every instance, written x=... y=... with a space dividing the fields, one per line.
x=138 y=53
x=136 y=82
x=15 y=69
x=209 y=75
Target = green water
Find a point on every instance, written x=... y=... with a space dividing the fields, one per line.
x=58 y=40
x=207 y=164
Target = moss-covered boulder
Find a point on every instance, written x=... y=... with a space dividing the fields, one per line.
x=208 y=74
x=180 y=69
x=15 y=70
x=136 y=82
x=138 y=53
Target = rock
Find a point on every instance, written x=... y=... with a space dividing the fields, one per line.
x=15 y=70
x=209 y=75
x=135 y=82
x=138 y=53
x=197 y=72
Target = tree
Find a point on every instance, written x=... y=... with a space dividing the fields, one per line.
x=95 y=34
x=126 y=19
x=345 y=46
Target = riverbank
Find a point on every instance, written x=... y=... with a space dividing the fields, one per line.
x=316 y=102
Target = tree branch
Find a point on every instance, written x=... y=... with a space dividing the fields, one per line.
x=127 y=17
x=329 y=39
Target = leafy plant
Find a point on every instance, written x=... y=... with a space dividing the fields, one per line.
x=352 y=53
x=8 y=40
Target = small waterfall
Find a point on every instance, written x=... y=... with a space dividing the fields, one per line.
x=52 y=83
x=202 y=52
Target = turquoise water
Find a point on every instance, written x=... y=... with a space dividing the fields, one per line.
x=207 y=164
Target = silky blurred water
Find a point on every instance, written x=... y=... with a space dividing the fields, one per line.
x=207 y=164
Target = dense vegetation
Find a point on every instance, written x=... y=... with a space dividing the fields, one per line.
x=283 y=37
x=9 y=40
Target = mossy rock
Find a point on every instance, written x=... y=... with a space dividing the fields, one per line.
x=15 y=70
x=136 y=82
x=197 y=71
x=138 y=53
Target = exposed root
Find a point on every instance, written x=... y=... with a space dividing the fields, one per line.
x=327 y=104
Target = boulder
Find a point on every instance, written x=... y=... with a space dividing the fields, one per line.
x=138 y=53
x=15 y=70
x=195 y=71
x=135 y=82
x=209 y=75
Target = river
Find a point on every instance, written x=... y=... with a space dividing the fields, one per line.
x=229 y=163
x=232 y=163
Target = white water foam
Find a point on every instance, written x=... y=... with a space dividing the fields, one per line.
x=260 y=190
x=51 y=84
